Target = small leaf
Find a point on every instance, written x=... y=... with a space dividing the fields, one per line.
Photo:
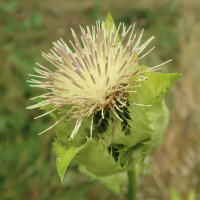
x=64 y=157
x=174 y=194
x=108 y=25
x=111 y=182
x=154 y=89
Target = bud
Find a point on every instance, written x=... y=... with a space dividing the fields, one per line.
x=110 y=110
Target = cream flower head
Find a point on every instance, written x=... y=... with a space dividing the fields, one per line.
x=96 y=77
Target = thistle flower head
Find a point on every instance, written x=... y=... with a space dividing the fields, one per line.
x=94 y=75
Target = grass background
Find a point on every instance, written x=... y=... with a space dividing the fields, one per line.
x=27 y=161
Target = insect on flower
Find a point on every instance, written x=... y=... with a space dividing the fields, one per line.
x=96 y=77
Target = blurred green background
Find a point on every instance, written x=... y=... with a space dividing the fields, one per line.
x=27 y=161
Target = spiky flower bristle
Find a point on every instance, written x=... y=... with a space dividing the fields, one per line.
x=94 y=78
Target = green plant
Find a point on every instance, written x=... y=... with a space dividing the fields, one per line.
x=115 y=126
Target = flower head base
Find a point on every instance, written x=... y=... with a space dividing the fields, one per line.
x=96 y=77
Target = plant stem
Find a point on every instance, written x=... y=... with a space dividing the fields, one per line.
x=132 y=187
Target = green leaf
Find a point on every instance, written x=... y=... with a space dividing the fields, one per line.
x=64 y=129
x=192 y=195
x=139 y=128
x=37 y=100
x=174 y=194
x=54 y=114
x=97 y=160
x=64 y=157
x=111 y=182
x=49 y=108
x=154 y=89
x=146 y=122
x=152 y=93
x=158 y=115
x=108 y=25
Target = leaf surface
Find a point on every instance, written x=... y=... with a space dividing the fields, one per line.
x=97 y=160
x=64 y=157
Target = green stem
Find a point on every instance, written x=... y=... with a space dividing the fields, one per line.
x=132 y=187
